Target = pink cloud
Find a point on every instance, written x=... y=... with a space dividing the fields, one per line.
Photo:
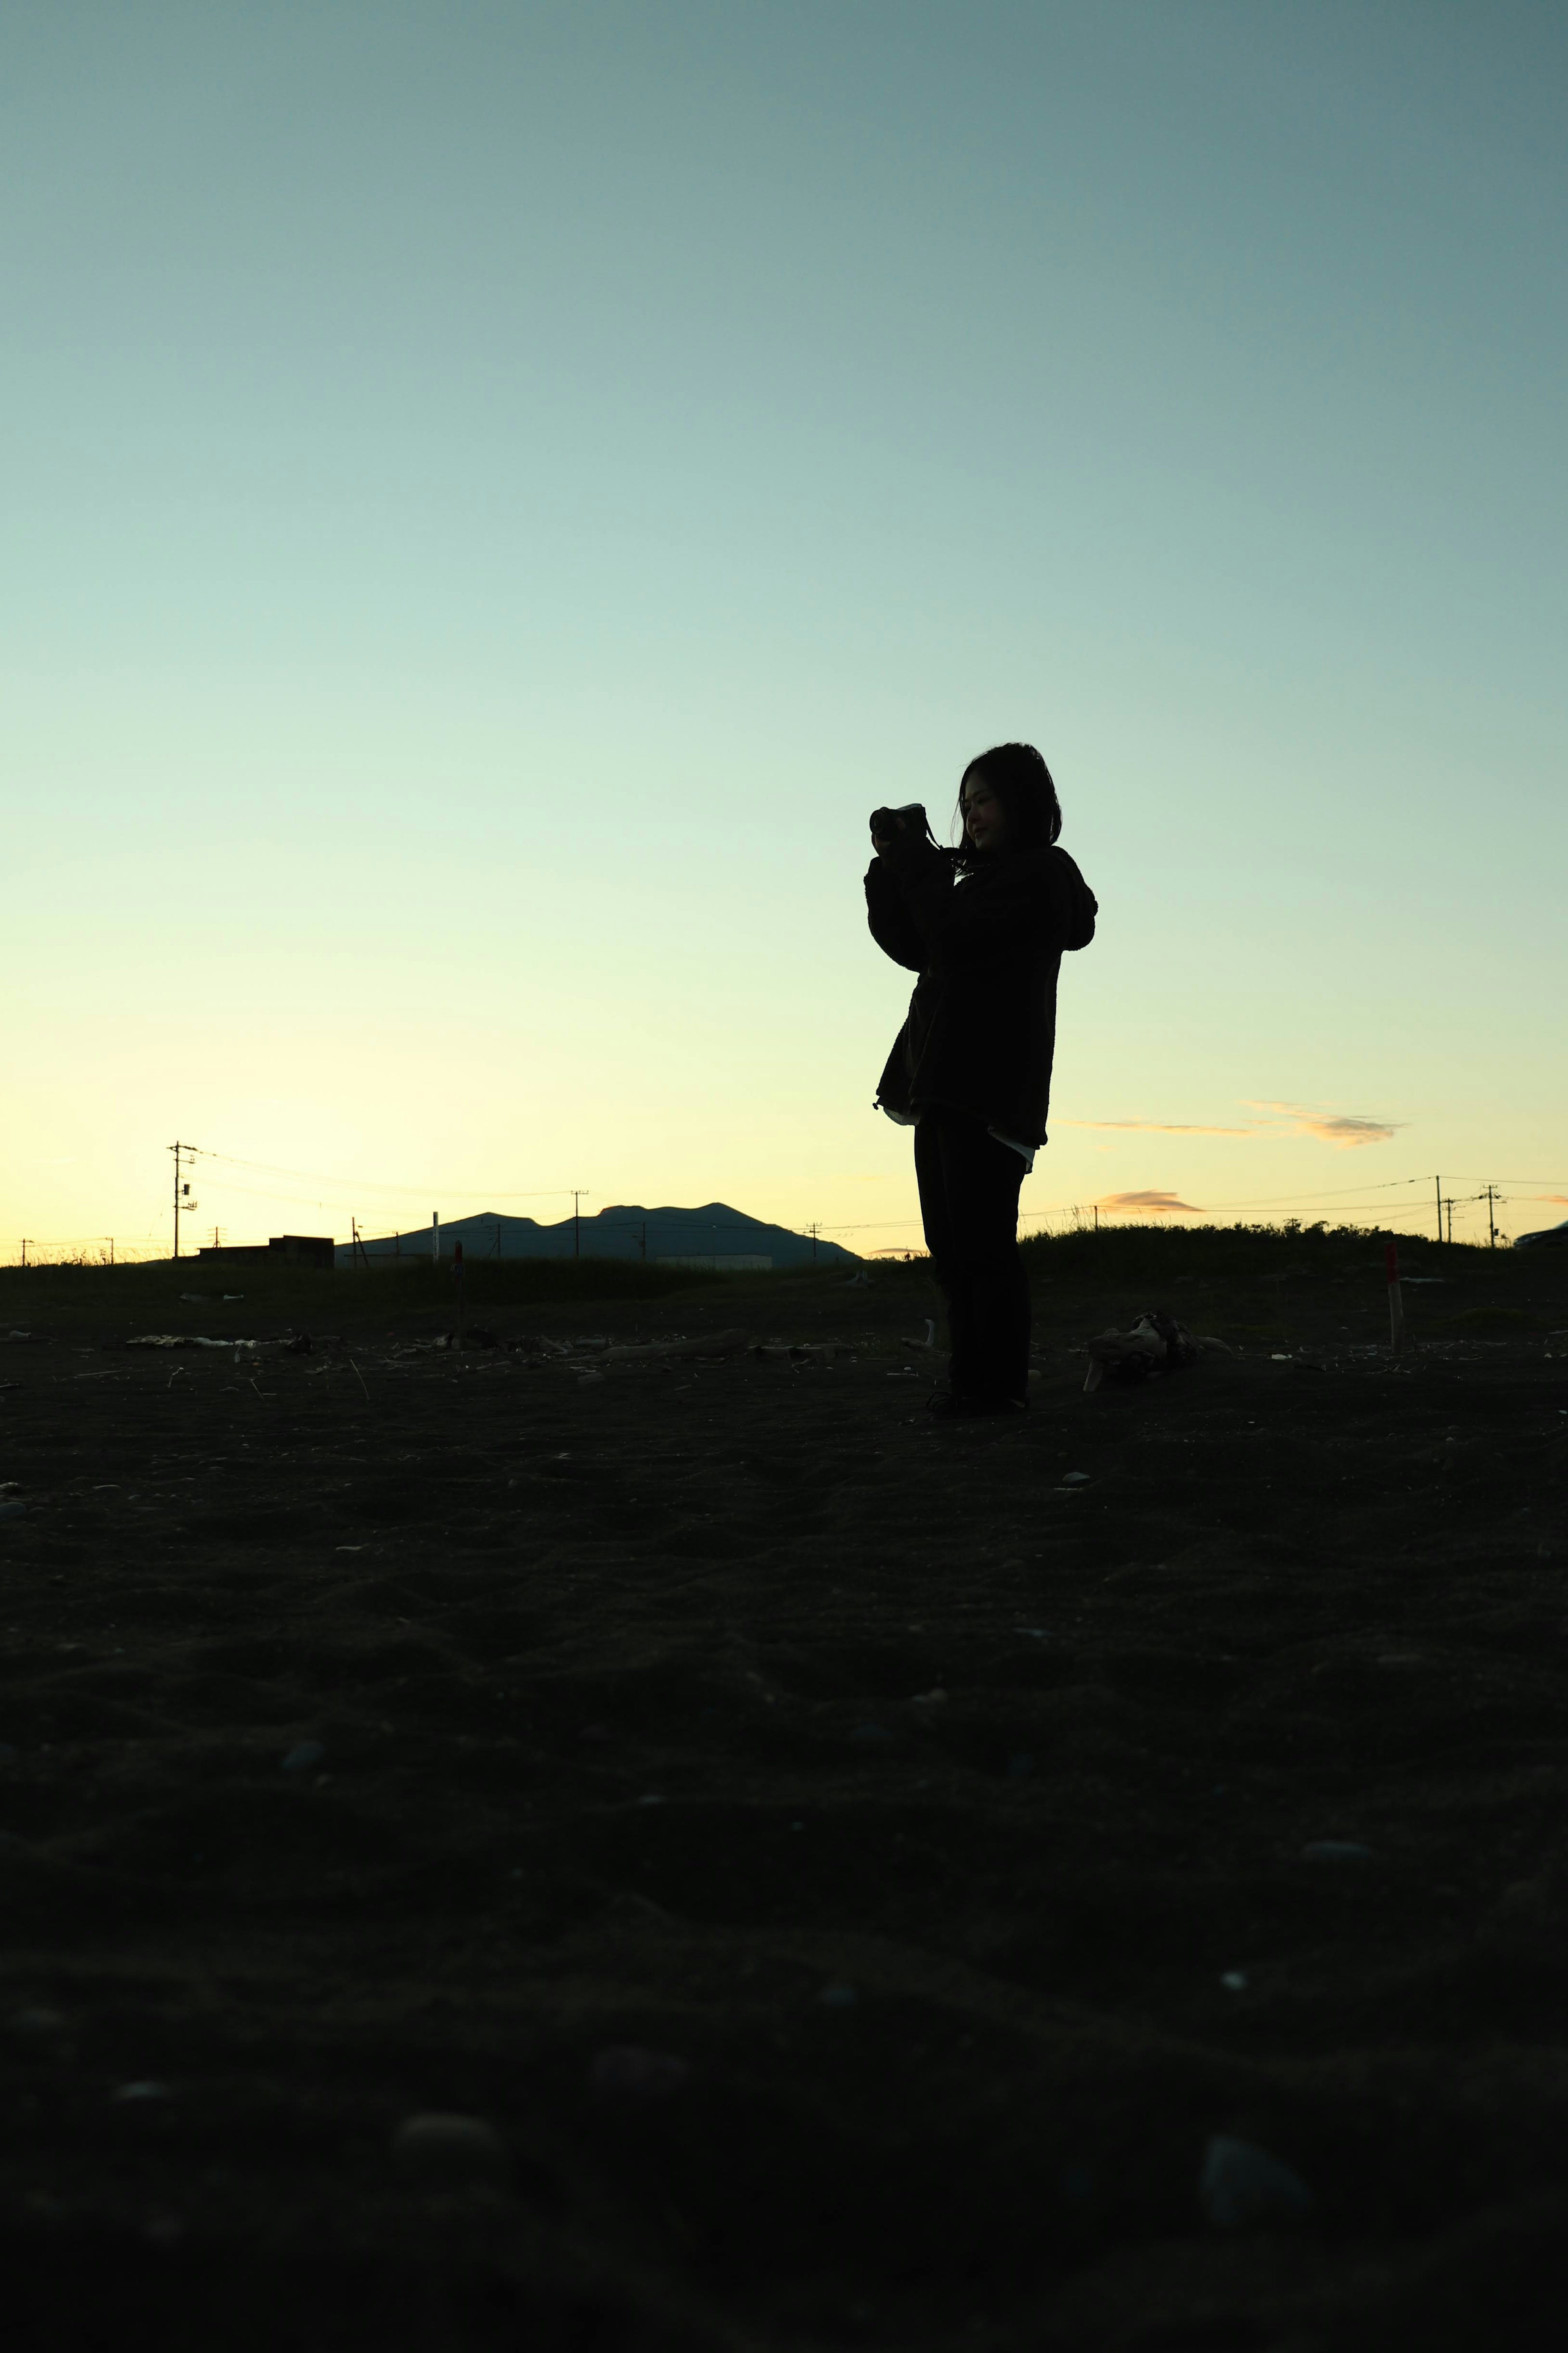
x=1345 y=1130
x=1160 y=1126
x=1160 y=1205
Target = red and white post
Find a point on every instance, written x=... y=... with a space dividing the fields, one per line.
x=1395 y=1303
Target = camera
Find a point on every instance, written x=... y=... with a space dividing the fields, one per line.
x=912 y=821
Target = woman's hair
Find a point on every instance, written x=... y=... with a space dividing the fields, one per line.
x=1022 y=783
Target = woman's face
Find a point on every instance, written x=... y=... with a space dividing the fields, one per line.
x=984 y=819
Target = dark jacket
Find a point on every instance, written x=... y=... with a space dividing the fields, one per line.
x=982 y=1027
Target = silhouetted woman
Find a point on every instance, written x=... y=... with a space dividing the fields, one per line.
x=985 y=927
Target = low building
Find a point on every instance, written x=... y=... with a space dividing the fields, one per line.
x=283 y=1250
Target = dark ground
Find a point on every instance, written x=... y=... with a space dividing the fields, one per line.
x=919 y=1807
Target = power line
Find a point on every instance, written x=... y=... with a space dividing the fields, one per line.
x=371 y=1185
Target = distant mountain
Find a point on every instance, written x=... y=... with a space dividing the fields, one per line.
x=714 y=1233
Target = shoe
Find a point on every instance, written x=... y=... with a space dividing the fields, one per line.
x=948 y=1406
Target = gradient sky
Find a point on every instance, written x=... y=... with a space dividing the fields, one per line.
x=493 y=495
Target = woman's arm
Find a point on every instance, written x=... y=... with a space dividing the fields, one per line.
x=892 y=926
x=1029 y=901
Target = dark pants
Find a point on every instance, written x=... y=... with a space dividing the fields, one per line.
x=969 y=1201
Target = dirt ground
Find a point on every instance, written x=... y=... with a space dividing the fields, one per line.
x=863 y=1876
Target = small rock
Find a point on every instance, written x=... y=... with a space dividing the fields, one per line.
x=145 y=2089
x=937 y=1698
x=1335 y=1851
x=1234 y=1980
x=13 y=1511
x=871 y=1732
x=628 y=2076
x=1241 y=2184
x=1075 y=1478
x=302 y=1755
x=450 y=2149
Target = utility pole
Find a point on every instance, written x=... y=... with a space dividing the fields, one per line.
x=1438 y=1182
x=645 y=1239
x=578 y=1193
x=184 y=1157
x=1450 y=1207
x=25 y=1239
x=814 y=1230
x=1491 y=1216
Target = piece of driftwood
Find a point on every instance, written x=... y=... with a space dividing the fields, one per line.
x=704 y=1344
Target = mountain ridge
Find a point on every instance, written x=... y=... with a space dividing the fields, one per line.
x=622 y=1230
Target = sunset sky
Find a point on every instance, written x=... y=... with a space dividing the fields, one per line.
x=495 y=494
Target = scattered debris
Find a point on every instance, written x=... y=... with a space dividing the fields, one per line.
x=302 y=1345
x=185 y=1340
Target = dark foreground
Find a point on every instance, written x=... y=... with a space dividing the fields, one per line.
x=856 y=1877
